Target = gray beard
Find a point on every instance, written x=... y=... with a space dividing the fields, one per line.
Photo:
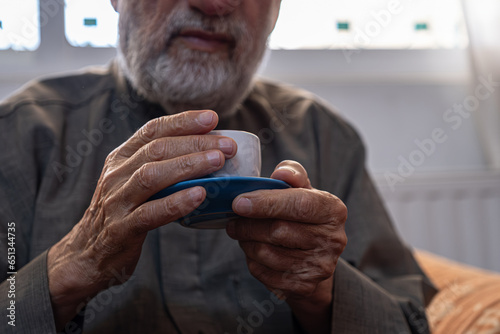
x=190 y=85
x=189 y=79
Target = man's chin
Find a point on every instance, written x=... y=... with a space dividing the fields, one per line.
x=194 y=87
x=186 y=79
x=185 y=50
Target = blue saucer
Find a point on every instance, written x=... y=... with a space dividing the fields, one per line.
x=216 y=210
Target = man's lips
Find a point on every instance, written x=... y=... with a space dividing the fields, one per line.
x=205 y=41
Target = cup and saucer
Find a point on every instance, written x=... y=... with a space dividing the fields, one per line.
x=240 y=174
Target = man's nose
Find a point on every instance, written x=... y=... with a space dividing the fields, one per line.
x=215 y=7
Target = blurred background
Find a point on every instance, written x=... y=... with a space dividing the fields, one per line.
x=420 y=80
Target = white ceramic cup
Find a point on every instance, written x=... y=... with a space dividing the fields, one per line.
x=247 y=161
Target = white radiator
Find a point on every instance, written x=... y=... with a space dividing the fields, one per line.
x=456 y=215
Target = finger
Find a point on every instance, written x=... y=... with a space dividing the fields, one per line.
x=286 y=234
x=300 y=205
x=171 y=147
x=292 y=173
x=182 y=124
x=154 y=214
x=286 y=259
x=152 y=177
x=303 y=283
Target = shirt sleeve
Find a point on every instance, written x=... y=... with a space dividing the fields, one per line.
x=24 y=296
x=362 y=306
x=379 y=287
x=25 y=301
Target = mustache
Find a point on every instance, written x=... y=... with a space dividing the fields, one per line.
x=183 y=20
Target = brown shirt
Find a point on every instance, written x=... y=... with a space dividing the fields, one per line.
x=54 y=138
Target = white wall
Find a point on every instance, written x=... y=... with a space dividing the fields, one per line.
x=393 y=98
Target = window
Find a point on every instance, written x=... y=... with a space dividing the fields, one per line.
x=91 y=23
x=314 y=24
x=19 y=25
x=370 y=24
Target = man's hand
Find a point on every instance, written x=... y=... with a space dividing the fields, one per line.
x=109 y=237
x=292 y=239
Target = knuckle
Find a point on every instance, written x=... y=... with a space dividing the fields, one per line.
x=173 y=209
x=148 y=131
x=111 y=156
x=336 y=239
x=178 y=122
x=338 y=209
x=255 y=269
x=199 y=143
x=185 y=165
x=268 y=207
x=145 y=176
x=279 y=231
x=305 y=207
x=325 y=269
x=179 y=208
x=109 y=203
x=261 y=250
x=334 y=244
x=119 y=153
x=342 y=240
x=142 y=215
x=343 y=212
x=109 y=160
x=107 y=181
x=155 y=150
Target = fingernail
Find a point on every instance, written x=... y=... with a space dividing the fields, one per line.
x=226 y=146
x=214 y=158
x=286 y=168
x=195 y=194
x=206 y=118
x=243 y=206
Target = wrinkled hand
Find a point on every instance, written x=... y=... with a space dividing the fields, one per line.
x=109 y=237
x=292 y=239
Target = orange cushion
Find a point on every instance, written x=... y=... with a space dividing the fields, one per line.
x=469 y=298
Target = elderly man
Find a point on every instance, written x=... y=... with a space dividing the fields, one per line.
x=82 y=154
